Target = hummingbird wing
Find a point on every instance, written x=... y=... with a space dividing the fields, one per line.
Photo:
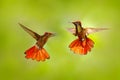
x=32 y=33
x=72 y=30
x=93 y=30
x=75 y=30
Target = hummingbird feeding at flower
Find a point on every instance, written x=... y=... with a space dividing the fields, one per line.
x=37 y=52
x=82 y=45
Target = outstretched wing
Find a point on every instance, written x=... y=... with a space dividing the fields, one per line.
x=93 y=30
x=72 y=30
x=32 y=33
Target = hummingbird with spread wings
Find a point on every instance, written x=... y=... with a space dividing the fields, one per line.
x=83 y=44
x=37 y=52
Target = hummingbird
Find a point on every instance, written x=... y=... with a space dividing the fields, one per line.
x=82 y=45
x=37 y=52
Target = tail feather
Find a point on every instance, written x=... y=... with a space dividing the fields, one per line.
x=38 y=57
x=81 y=47
x=37 y=54
x=90 y=42
x=73 y=43
x=41 y=57
x=30 y=52
x=45 y=53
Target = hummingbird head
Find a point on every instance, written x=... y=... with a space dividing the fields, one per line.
x=77 y=23
x=48 y=34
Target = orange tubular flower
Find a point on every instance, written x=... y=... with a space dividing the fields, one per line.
x=83 y=44
x=37 y=52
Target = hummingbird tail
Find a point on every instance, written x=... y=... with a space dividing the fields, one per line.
x=81 y=47
x=36 y=53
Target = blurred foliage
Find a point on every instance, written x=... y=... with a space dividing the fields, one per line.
x=102 y=63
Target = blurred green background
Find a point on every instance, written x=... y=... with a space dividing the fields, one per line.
x=102 y=63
